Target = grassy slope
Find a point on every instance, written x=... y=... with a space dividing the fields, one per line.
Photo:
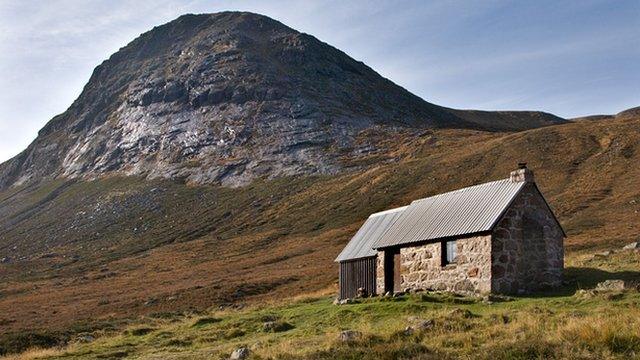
x=95 y=252
x=560 y=325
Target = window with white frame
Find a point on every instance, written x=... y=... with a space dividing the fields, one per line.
x=449 y=252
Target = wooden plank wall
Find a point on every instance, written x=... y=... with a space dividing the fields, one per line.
x=355 y=274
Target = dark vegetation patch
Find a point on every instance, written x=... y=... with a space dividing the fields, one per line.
x=140 y=331
x=15 y=343
x=205 y=321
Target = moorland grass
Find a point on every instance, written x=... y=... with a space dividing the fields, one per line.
x=554 y=327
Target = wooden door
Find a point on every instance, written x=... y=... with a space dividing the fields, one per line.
x=397 y=278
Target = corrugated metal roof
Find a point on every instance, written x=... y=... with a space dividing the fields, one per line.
x=464 y=211
x=377 y=224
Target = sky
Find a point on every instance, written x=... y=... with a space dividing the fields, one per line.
x=570 y=58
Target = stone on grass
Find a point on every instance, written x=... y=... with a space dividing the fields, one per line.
x=632 y=246
x=349 y=335
x=425 y=324
x=240 y=353
x=276 y=326
x=342 y=301
x=463 y=313
x=409 y=330
x=421 y=324
x=86 y=338
x=603 y=254
x=610 y=285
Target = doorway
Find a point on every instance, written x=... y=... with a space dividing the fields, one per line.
x=392 y=276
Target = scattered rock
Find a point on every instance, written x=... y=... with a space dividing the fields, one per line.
x=276 y=326
x=582 y=293
x=240 y=353
x=603 y=254
x=502 y=318
x=150 y=302
x=342 y=301
x=610 y=285
x=349 y=335
x=85 y=338
x=421 y=324
x=632 y=246
x=409 y=330
x=463 y=313
x=5 y=260
x=425 y=324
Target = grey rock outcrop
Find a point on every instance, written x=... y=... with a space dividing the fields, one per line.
x=226 y=98
x=349 y=335
x=241 y=353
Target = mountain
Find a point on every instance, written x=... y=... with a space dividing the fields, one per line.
x=94 y=252
x=227 y=98
x=626 y=114
x=224 y=159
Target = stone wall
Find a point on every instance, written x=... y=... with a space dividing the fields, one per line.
x=380 y=273
x=422 y=267
x=527 y=246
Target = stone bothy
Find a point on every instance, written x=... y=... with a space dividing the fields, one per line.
x=496 y=237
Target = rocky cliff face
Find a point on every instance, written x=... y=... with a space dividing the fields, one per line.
x=227 y=98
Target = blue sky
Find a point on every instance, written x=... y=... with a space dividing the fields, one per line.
x=570 y=58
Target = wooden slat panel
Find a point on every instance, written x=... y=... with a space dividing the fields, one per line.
x=356 y=274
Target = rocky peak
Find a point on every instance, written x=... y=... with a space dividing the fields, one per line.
x=226 y=98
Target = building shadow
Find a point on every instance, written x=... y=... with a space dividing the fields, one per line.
x=576 y=278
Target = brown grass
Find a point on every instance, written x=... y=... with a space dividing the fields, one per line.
x=197 y=248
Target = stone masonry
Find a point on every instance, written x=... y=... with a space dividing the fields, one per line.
x=523 y=253
x=527 y=246
x=471 y=273
x=380 y=273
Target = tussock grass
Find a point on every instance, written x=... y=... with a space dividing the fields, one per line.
x=554 y=327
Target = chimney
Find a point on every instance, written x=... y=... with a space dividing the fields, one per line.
x=522 y=174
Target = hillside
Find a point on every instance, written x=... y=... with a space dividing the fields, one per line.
x=222 y=161
x=230 y=97
x=587 y=325
x=78 y=251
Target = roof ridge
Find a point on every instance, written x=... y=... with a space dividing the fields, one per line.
x=467 y=210
x=390 y=211
x=460 y=190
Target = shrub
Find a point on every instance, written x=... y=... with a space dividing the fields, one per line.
x=14 y=343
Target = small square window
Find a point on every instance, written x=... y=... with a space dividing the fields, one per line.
x=449 y=252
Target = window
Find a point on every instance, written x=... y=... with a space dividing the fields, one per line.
x=449 y=252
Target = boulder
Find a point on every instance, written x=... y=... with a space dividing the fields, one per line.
x=240 y=353
x=349 y=335
x=610 y=285
x=276 y=326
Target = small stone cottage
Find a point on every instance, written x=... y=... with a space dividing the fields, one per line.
x=496 y=237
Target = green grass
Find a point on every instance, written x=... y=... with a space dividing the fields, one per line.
x=519 y=328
